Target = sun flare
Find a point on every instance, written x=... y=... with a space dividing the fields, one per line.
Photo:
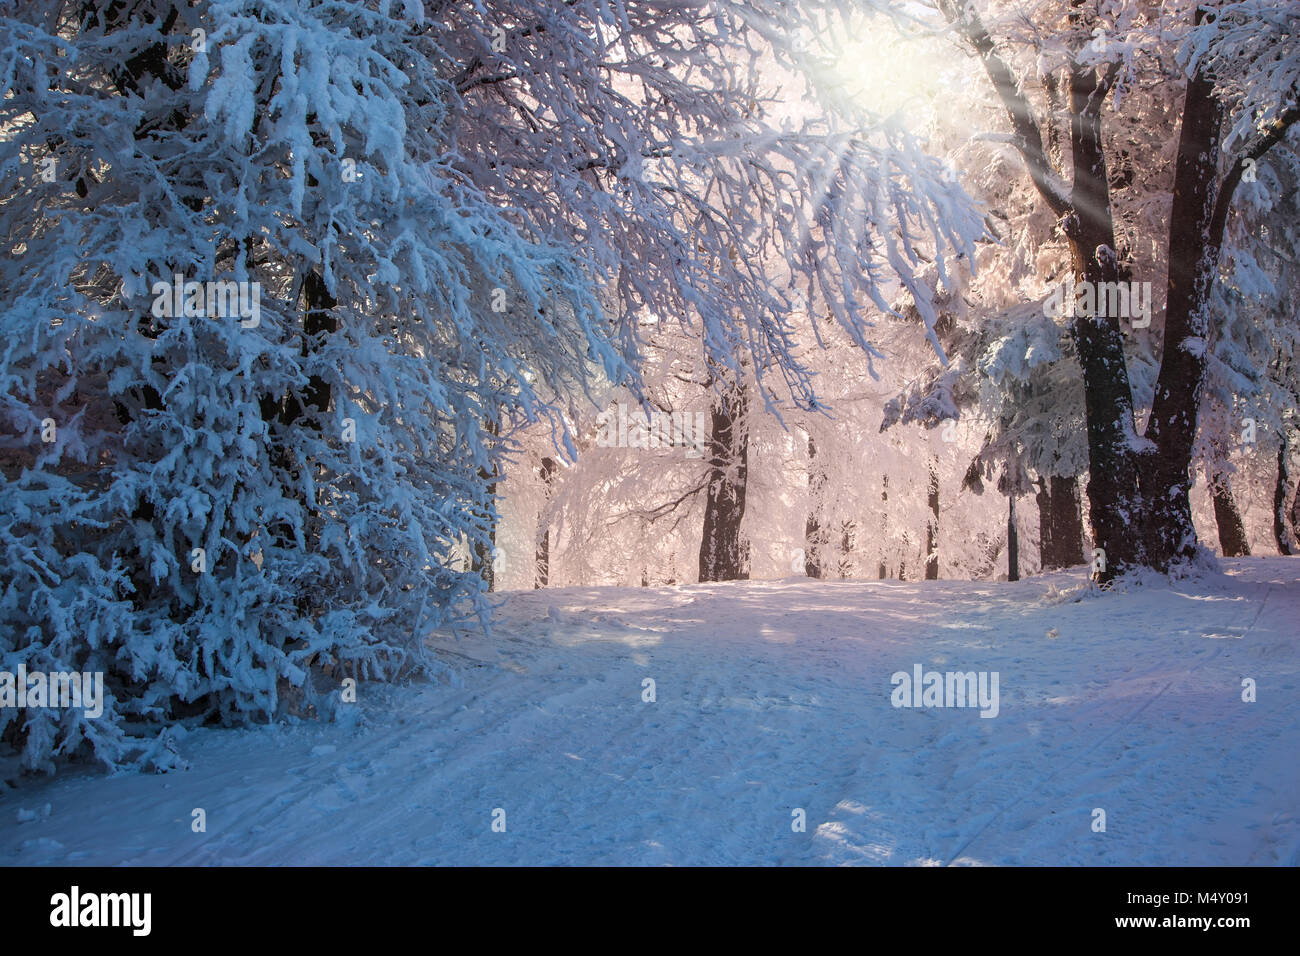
x=915 y=80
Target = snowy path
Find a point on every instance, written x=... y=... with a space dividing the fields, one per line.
x=770 y=696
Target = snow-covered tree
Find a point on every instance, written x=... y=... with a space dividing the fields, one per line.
x=287 y=276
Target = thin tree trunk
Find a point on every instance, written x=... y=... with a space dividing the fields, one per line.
x=884 y=526
x=932 y=526
x=1013 y=541
x=543 y=562
x=484 y=548
x=1046 y=545
x=813 y=534
x=1283 y=533
x=1295 y=511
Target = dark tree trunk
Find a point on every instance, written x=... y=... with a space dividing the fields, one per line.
x=884 y=525
x=1193 y=260
x=1283 y=529
x=1232 y=533
x=1067 y=522
x=1113 y=493
x=1046 y=546
x=544 y=530
x=932 y=525
x=1295 y=511
x=723 y=554
x=813 y=534
x=485 y=545
x=1013 y=541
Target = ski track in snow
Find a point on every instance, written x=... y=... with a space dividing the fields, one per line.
x=771 y=696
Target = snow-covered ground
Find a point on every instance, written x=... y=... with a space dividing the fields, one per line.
x=769 y=697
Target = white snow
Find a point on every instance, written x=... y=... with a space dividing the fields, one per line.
x=770 y=696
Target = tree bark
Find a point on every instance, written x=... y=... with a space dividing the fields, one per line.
x=813 y=534
x=932 y=525
x=543 y=561
x=1193 y=259
x=723 y=554
x=1232 y=533
x=1067 y=522
x=1113 y=491
x=1046 y=545
x=484 y=547
x=1013 y=541
x=1283 y=530
x=884 y=526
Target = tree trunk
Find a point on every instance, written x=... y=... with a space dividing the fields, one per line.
x=1067 y=522
x=884 y=526
x=485 y=546
x=543 y=562
x=1283 y=531
x=1113 y=492
x=1013 y=541
x=1295 y=511
x=723 y=554
x=1193 y=261
x=813 y=534
x=1232 y=533
x=1046 y=546
x=932 y=526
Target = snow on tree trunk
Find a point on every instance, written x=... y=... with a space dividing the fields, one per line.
x=932 y=525
x=723 y=552
x=543 y=556
x=1193 y=262
x=1046 y=547
x=1283 y=531
x=883 y=571
x=1013 y=541
x=814 y=534
x=484 y=542
x=1115 y=505
x=1232 y=532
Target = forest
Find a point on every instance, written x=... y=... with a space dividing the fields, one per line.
x=332 y=326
